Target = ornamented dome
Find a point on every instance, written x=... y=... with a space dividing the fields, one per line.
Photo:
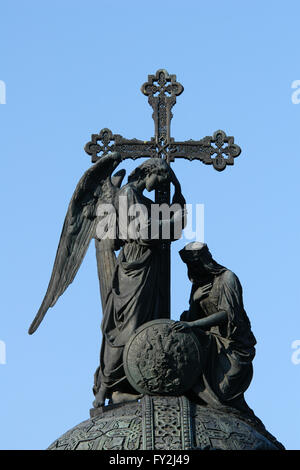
x=164 y=423
x=160 y=363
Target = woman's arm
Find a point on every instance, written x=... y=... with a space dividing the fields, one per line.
x=215 y=319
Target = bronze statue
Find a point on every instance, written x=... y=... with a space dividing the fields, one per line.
x=217 y=317
x=137 y=275
x=160 y=384
x=127 y=283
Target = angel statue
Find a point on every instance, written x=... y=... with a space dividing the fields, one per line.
x=130 y=283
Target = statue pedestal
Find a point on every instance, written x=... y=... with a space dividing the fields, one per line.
x=166 y=423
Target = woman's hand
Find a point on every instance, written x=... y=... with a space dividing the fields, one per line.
x=182 y=326
x=202 y=292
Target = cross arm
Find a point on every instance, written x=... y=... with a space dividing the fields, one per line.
x=106 y=141
x=218 y=150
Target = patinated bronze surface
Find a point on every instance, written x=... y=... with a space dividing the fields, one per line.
x=166 y=423
x=160 y=384
x=218 y=318
x=218 y=150
x=137 y=274
x=159 y=360
x=162 y=90
x=127 y=282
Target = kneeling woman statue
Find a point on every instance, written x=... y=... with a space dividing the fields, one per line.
x=218 y=318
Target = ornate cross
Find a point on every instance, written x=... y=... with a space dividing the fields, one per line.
x=162 y=89
x=218 y=150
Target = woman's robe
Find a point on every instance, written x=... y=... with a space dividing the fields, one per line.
x=228 y=349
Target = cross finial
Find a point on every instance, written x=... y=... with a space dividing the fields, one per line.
x=162 y=90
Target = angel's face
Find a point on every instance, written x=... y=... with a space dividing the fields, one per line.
x=156 y=179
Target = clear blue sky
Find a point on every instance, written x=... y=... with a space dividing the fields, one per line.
x=72 y=68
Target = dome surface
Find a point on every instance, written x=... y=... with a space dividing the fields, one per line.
x=165 y=423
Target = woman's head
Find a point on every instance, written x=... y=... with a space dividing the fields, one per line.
x=199 y=261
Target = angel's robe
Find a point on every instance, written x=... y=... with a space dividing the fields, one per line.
x=228 y=349
x=134 y=299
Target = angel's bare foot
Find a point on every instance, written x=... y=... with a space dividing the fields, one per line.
x=119 y=397
x=100 y=398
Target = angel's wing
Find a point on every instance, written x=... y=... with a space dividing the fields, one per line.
x=78 y=229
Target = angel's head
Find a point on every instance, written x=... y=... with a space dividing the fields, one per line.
x=151 y=174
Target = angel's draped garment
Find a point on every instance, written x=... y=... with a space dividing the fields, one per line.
x=227 y=349
x=135 y=298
